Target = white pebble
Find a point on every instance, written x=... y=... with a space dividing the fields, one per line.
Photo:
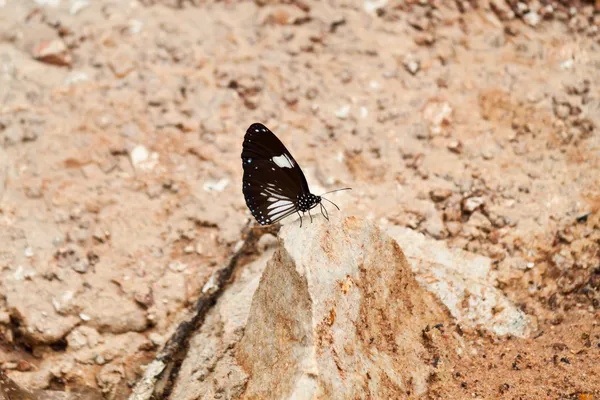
x=343 y=112
x=216 y=186
x=139 y=154
x=177 y=266
x=51 y=3
x=84 y=317
x=134 y=26
x=371 y=6
x=78 y=5
x=76 y=77
x=568 y=64
x=364 y=112
x=532 y=18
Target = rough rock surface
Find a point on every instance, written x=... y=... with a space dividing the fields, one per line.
x=463 y=282
x=210 y=366
x=337 y=313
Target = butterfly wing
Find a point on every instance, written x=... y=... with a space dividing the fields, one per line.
x=272 y=179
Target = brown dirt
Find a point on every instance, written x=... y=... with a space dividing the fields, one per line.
x=120 y=134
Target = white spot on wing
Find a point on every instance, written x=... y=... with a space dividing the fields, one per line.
x=283 y=161
x=279 y=203
x=280 y=212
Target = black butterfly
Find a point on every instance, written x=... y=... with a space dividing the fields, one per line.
x=274 y=186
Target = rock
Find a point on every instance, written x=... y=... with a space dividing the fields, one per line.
x=502 y=10
x=471 y=204
x=440 y=194
x=139 y=154
x=77 y=6
x=10 y=390
x=464 y=282
x=411 y=64
x=334 y=303
x=121 y=64
x=4 y=317
x=216 y=185
x=134 y=26
x=210 y=366
x=109 y=378
x=119 y=314
x=438 y=114
x=50 y=3
x=39 y=320
x=53 y=52
x=266 y=241
x=343 y=112
x=532 y=18
x=12 y=135
x=455 y=146
x=371 y=6
x=71 y=257
x=562 y=110
x=24 y=366
x=347 y=305
x=83 y=336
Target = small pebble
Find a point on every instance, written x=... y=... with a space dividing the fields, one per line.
x=411 y=65
x=438 y=195
x=562 y=111
x=532 y=18
x=216 y=186
x=4 y=317
x=343 y=112
x=28 y=252
x=24 y=366
x=472 y=203
x=177 y=266
x=455 y=146
x=138 y=155
x=77 y=6
x=156 y=339
x=13 y=135
x=10 y=365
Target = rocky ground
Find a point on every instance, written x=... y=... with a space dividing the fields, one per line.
x=476 y=123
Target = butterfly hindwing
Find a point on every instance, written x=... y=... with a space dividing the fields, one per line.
x=273 y=180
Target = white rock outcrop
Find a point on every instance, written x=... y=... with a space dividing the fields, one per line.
x=464 y=282
x=338 y=314
x=333 y=310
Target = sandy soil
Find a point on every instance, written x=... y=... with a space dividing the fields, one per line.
x=121 y=125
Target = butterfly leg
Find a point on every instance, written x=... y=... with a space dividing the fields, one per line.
x=310 y=216
x=300 y=218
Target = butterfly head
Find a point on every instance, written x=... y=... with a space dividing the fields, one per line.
x=307 y=201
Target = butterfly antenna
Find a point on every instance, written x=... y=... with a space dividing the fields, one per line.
x=325 y=214
x=331 y=202
x=337 y=190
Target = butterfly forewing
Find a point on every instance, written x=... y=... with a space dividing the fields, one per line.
x=273 y=180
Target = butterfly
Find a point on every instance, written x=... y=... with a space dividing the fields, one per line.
x=274 y=185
